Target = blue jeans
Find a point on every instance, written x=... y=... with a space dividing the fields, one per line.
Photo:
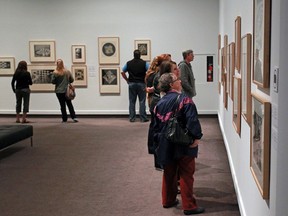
x=137 y=89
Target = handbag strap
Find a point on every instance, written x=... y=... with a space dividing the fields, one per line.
x=175 y=105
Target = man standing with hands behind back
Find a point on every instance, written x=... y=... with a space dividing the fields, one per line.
x=136 y=69
x=186 y=75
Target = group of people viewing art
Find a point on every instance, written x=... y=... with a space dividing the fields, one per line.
x=164 y=83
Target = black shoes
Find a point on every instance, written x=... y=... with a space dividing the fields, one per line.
x=144 y=120
x=198 y=210
x=172 y=205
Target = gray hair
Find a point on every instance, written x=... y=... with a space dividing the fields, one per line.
x=186 y=53
x=164 y=82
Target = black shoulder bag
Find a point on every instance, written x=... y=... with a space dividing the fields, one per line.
x=175 y=132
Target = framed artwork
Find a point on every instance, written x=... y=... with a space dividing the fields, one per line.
x=145 y=48
x=260 y=143
x=78 y=54
x=225 y=94
x=42 y=77
x=225 y=51
x=238 y=43
x=261 y=42
x=7 y=66
x=222 y=65
x=109 y=80
x=231 y=68
x=246 y=43
x=219 y=48
x=237 y=104
x=108 y=50
x=79 y=72
x=42 y=51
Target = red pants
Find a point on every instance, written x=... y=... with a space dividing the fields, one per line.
x=186 y=168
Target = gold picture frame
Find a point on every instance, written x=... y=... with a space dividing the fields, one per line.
x=42 y=51
x=236 y=111
x=108 y=50
x=79 y=72
x=246 y=47
x=260 y=143
x=261 y=42
x=145 y=49
x=7 y=66
x=109 y=79
x=78 y=54
x=42 y=77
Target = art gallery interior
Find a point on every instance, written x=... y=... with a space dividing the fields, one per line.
x=207 y=27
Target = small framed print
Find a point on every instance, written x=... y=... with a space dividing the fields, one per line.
x=236 y=112
x=108 y=50
x=260 y=143
x=7 y=66
x=79 y=72
x=246 y=47
x=109 y=80
x=225 y=51
x=145 y=48
x=231 y=67
x=238 y=43
x=78 y=54
x=42 y=77
x=42 y=51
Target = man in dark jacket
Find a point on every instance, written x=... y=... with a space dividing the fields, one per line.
x=136 y=69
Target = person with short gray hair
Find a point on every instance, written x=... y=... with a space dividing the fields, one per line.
x=187 y=75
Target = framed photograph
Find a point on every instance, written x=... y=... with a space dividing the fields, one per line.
x=78 y=54
x=260 y=143
x=145 y=48
x=109 y=80
x=231 y=68
x=238 y=43
x=108 y=50
x=225 y=94
x=261 y=42
x=237 y=104
x=79 y=72
x=42 y=51
x=222 y=65
x=7 y=66
x=225 y=51
x=42 y=77
x=246 y=47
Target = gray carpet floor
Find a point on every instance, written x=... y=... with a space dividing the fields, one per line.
x=100 y=166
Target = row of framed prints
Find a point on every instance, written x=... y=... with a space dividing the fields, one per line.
x=109 y=78
x=237 y=60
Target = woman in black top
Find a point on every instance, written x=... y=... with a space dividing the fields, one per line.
x=23 y=79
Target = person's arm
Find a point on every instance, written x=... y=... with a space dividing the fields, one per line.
x=71 y=78
x=123 y=73
x=29 y=79
x=13 y=83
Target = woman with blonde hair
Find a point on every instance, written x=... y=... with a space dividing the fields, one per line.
x=61 y=78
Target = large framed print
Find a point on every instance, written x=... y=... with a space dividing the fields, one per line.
x=108 y=50
x=260 y=143
x=236 y=112
x=145 y=48
x=238 y=43
x=109 y=80
x=261 y=43
x=246 y=43
x=7 y=66
x=42 y=77
x=225 y=51
x=78 y=54
x=42 y=51
x=79 y=72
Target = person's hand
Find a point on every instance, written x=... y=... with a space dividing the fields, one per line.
x=150 y=89
x=195 y=143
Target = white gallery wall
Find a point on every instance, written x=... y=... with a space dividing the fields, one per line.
x=172 y=26
x=250 y=200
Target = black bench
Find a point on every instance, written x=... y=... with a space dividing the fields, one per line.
x=11 y=134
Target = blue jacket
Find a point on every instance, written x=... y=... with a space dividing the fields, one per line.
x=167 y=152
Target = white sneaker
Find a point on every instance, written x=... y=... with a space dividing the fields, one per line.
x=75 y=120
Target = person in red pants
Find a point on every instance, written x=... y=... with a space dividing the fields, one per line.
x=176 y=159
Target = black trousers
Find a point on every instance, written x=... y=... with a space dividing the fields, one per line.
x=63 y=102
